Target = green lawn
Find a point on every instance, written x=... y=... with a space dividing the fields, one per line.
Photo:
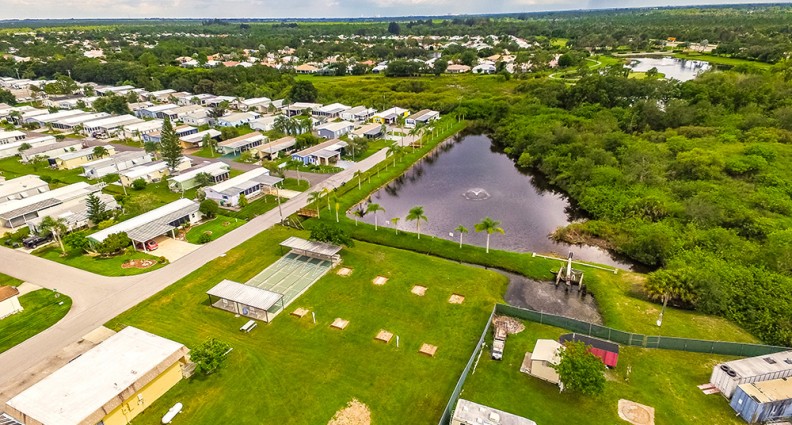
x=103 y=266
x=293 y=184
x=41 y=310
x=12 y=168
x=254 y=208
x=218 y=226
x=6 y=280
x=663 y=379
x=294 y=372
x=137 y=202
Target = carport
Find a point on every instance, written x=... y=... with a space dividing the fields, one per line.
x=245 y=300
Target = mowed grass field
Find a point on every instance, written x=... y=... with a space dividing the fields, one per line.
x=293 y=371
x=663 y=379
x=41 y=310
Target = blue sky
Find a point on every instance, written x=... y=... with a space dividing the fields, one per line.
x=19 y=9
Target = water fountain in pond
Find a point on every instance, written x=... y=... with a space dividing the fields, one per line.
x=476 y=194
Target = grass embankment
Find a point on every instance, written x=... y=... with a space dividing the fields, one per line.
x=663 y=379
x=103 y=266
x=41 y=310
x=254 y=208
x=328 y=367
x=216 y=228
x=6 y=280
x=721 y=60
x=294 y=184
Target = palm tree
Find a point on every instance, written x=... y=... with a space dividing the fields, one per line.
x=282 y=124
x=394 y=150
x=337 y=206
x=667 y=285
x=58 y=228
x=100 y=152
x=315 y=197
x=400 y=122
x=374 y=208
x=357 y=213
x=462 y=230
x=395 y=222
x=326 y=194
x=358 y=174
x=490 y=226
x=414 y=132
x=416 y=214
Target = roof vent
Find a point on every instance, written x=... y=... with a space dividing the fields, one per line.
x=770 y=360
x=494 y=417
x=788 y=361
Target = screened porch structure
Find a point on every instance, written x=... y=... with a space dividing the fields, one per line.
x=245 y=300
x=320 y=250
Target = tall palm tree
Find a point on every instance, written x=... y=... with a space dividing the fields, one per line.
x=58 y=228
x=395 y=222
x=416 y=214
x=100 y=152
x=462 y=230
x=358 y=174
x=393 y=151
x=374 y=208
x=490 y=226
x=315 y=197
x=282 y=124
x=337 y=206
x=326 y=194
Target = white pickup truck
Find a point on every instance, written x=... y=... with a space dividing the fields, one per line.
x=499 y=343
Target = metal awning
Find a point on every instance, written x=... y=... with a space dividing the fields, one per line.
x=245 y=294
x=320 y=248
x=28 y=209
x=149 y=231
x=267 y=180
x=324 y=153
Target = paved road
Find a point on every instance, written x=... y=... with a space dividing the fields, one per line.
x=97 y=299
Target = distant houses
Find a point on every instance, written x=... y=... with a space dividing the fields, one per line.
x=325 y=153
x=188 y=179
x=251 y=184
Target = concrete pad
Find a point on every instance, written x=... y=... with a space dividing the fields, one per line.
x=384 y=336
x=173 y=249
x=27 y=287
x=525 y=367
x=300 y=312
x=344 y=271
x=288 y=194
x=456 y=299
x=340 y=323
x=380 y=280
x=419 y=290
x=98 y=335
x=636 y=414
x=428 y=349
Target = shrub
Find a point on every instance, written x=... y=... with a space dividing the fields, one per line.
x=208 y=208
x=204 y=238
x=209 y=356
x=139 y=184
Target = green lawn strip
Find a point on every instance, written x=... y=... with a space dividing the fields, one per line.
x=12 y=168
x=218 y=226
x=720 y=60
x=663 y=379
x=103 y=266
x=374 y=146
x=6 y=280
x=41 y=310
x=327 y=366
x=293 y=184
x=254 y=208
x=137 y=202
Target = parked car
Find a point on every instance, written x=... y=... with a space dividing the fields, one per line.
x=33 y=242
x=149 y=245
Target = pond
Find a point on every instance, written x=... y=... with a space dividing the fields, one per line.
x=465 y=180
x=678 y=69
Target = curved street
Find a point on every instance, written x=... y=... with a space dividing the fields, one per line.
x=97 y=299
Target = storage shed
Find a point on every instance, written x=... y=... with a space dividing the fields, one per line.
x=9 y=301
x=765 y=401
x=728 y=376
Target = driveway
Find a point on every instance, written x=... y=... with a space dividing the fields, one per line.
x=173 y=249
x=97 y=299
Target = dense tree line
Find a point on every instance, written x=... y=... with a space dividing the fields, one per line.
x=694 y=178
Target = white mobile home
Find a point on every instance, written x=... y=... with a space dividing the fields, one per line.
x=108 y=126
x=9 y=302
x=186 y=180
x=240 y=144
x=11 y=149
x=324 y=153
x=22 y=187
x=252 y=184
x=18 y=212
x=334 y=130
x=726 y=377
x=11 y=136
x=152 y=172
x=115 y=163
x=49 y=151
x=236 y=120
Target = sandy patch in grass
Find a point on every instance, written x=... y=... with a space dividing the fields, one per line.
x=419 y=290
x=138 y=264
x=636 y=414
x=355 y=413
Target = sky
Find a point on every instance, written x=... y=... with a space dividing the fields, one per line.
x=22 y=9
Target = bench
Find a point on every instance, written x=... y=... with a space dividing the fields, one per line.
x=247 y=327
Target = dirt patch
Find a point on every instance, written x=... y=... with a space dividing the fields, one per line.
x=636 y=414
x=512 y=325
x=419 y=290
x=344 y=271
x=208 y=232
x=380 y=280
x=138 y=264
x=456 y=299
x=355 y=413
x=226 y=223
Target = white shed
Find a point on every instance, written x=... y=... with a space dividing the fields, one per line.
x=9 y=301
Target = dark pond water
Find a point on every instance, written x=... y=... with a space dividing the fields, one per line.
x=464 y=181
x=678 y=69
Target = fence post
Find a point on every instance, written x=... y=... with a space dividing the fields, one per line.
x=589 y=329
